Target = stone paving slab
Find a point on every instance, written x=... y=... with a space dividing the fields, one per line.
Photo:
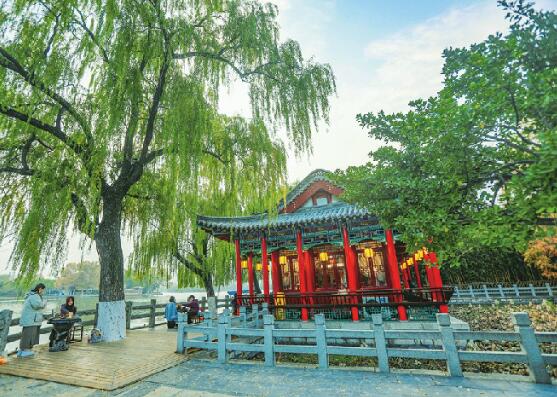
x=201 y=378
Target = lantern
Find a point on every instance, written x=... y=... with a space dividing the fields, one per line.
x=258 y=267
x=282 y=260
x=368 y=253
x=323 y=256
x=410 y=261
x=420 y=255
x=244 y=264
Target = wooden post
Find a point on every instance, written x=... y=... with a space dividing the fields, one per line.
x=394 y=275
x=529 y=344
x=5 y=321
x=250 y=275
x=417 y=272
x=238 y=275
x=275 y=272
x=302 y=274
x=449 y=344
x=129 y=308
x=268 y=341
x=152 y=313
x=182 y=336
x=222 y=355
x=321 y=341
x=351 y=272
x=380 y=343
x=265 y=265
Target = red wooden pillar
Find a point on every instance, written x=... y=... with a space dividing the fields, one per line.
x=405 y=278
x=417 y=272
x=438 y=281
x=265 y=264
x=394 y=274
x=357 y=264
x=250 y=275
x=350 y=271
x=302 y=274
x=275 y=272
x=310 y=271
x=238 y=275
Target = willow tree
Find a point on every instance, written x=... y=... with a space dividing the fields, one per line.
x=96 y=96
x=242 y=172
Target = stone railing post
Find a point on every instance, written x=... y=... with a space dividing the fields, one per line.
x=212 y=304
x=529 y=345
x=516 y=291
x=152 y=313
x=549 y=290
x=321 y=341
x=5 y=321
x=222 y=354
x=533 y=290
x=264 y=308
x=501 y=292
x=486 y=292
x=129 y=309
x=471 y=292
x=243 y=316
x=380 y=342
x=449 y=344
x=268 y=340
x=255 y=314
x=182 y=335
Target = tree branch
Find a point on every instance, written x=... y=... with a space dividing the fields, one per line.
x=13 y=64
x=83 y=24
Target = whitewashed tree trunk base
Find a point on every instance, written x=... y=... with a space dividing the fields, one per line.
x=111 y=320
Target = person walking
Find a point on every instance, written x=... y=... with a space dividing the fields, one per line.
x=31 y=320
x=171 y=313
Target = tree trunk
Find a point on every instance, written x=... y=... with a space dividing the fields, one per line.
x=112 y=308
x=208 y=283
x=256 y=287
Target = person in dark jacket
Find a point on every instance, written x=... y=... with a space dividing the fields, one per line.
x=68 y=307
x=31 y=320
x=192 y=306
x=171 y=313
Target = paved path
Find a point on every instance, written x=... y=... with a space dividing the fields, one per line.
x=198 y=378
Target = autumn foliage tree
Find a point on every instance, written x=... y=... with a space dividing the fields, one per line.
x=542 y=255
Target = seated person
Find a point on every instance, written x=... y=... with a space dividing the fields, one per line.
x=68 y=308
x=171 y=313
x=192 y=307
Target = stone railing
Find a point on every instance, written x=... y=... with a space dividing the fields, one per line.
x=489 y=293
x=228 y=336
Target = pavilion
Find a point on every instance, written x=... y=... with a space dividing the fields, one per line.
x=330 y=257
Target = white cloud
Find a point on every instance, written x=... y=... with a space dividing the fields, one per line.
x=410 y=61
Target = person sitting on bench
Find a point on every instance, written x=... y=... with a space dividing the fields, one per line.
x=192 y=307
x=68 y=308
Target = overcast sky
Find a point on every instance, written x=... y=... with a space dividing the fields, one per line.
x=383 y=54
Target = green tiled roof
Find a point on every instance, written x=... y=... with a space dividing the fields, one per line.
x=328 y=213
x=314 y=176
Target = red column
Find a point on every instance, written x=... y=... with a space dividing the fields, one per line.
x=302 y=274
x=417 y=271
x=265 y=264
x=438 y=281
x=393 y=272
x=350 y=271
x=357 y=265
x=250 y=273
x=405 y=278
x=238 y=274
x=275 y=272
x=310 y=271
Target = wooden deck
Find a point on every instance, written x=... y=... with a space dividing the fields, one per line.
x=105 y=366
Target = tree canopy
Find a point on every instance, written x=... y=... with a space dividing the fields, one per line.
x=103 y=102
x=475 y=166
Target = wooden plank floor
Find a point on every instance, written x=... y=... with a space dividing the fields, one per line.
x=105 y=366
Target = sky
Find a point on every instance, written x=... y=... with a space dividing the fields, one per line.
x=383 y=54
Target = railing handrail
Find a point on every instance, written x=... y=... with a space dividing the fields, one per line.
x=523 y=333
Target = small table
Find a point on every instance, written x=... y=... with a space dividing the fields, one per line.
x=60 y=331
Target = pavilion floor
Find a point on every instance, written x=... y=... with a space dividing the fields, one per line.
x=104 y=366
